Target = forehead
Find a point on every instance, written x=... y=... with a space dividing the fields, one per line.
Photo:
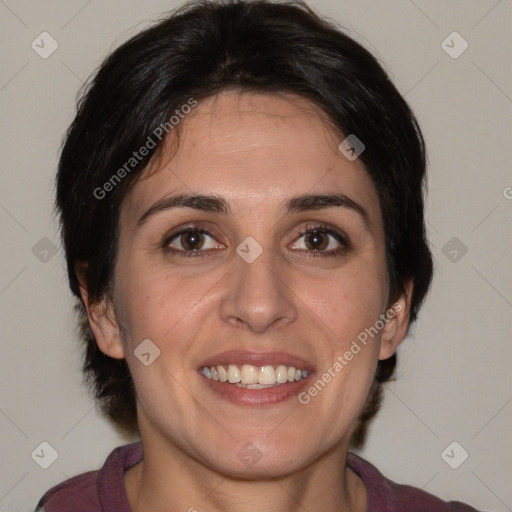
x=253 y=149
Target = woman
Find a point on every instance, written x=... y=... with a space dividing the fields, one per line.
x=241 y=205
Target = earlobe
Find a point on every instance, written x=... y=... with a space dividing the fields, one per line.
x=102 y=320
x=396 y=324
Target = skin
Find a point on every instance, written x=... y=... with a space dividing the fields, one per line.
x=256 y=151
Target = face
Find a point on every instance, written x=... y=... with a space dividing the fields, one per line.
x=258 y=284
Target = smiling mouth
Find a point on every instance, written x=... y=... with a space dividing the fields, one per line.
x=254 y=377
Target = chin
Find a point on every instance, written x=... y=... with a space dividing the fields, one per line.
x=259 y=459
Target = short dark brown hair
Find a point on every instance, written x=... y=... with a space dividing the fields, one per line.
x=197 y=51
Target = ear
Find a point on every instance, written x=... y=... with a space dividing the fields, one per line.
x=396 y=323
x=102 y=319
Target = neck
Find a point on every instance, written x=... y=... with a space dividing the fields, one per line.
x=168 y=475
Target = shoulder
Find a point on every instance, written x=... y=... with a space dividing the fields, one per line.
x=385 y=495
x=78 y=493
x=94 y=491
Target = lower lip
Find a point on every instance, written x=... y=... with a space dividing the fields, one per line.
x=263 y=396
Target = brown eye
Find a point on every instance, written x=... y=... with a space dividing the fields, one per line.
x=192 y=240
x=316 y=240
x=321 y=240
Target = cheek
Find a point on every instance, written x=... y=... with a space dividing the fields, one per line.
x=169 y=307
x=163 y=307
x=345 y=304
x=345 y=309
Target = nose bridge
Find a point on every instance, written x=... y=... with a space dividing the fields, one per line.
x=259 y=277
x=257 y=295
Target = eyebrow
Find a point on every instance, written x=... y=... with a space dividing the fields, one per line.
x=217 y=204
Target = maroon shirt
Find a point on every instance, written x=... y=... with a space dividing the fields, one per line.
x=104 y=491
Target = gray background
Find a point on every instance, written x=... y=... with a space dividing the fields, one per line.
x=454 y=379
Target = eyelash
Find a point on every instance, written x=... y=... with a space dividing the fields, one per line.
x=322 y=228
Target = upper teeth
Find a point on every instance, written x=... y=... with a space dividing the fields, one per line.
x=253 y=375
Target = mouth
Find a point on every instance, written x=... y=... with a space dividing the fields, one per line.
x=255 y=378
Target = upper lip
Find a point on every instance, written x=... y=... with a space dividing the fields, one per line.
x=240 y=357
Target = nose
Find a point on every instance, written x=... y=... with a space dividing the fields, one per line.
x=258 y=296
